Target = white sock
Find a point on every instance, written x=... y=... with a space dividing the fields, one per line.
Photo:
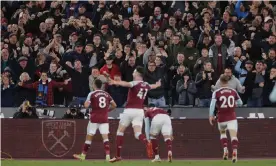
x=157 y=157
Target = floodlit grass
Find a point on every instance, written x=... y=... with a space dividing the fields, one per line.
x=137 y=163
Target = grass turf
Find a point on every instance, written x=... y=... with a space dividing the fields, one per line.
x=137 y=163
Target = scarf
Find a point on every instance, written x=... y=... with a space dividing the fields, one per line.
x=41 y=98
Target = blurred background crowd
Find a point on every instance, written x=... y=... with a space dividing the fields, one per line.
x=52 y=51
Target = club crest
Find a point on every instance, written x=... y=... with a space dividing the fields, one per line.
x=58 y=136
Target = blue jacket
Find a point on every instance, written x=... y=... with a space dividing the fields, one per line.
x=238 y=11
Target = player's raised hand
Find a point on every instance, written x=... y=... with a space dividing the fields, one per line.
x=211 y=119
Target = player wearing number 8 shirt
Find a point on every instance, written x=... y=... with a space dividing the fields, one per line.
x=133 y=112
x=226 y=100
x=101 y=103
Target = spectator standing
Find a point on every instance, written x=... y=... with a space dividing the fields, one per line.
x=55 y=74
x=175 y=78
x=127 y=67
x=180 y=61
x=186 y=89
x=95 y=74
x=119 y=57
x=7 y=92
x=191 y=53
x=23 y=93
x=218 y=55
x=79 y=77
x=269 y=44
x=240 y=9
x=200 y=61
x=23 y=64
x=110 y=69
x=204 y=80
x=270 y=60
x=233 y=82
x=77 y=54
x=155 y=96
x=44 y=89
x=117 y=92
x=245 y=67
x=5 y=55
x=254 y=83
x=99 y=49
x=270 y=80
x=173 y=50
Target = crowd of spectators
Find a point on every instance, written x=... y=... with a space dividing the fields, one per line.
x=52 y=51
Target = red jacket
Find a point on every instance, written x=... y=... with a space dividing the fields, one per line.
x=51 y=85
x=114 y=71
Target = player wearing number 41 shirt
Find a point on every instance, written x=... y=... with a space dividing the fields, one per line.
x=158 y=120
x=133 y=112
x=101 y=103
x=226 y=100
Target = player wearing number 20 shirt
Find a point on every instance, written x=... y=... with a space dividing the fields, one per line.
x=226 y=100
x=101 y=103
x=133 y=112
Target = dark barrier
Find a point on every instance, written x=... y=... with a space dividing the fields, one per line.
x=193 y=139
x=177 y=112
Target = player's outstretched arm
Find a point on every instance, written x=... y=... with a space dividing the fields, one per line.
x=87 y=104
x=113 y=105
x=212 y=107
x=239 y=102
x=212 y=110
x=120 y=83
x=156 y=85
x=272 y=96
x=147 y=128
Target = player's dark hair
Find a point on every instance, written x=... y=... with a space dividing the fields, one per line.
x=224 y=79
x=98 y=83
x=140 y=70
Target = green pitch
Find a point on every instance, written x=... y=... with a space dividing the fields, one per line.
x=138 y=163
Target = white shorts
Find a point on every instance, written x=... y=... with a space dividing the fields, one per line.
x=229 y=125
x=93 y=127
x=132 y=115
x=163 y=123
